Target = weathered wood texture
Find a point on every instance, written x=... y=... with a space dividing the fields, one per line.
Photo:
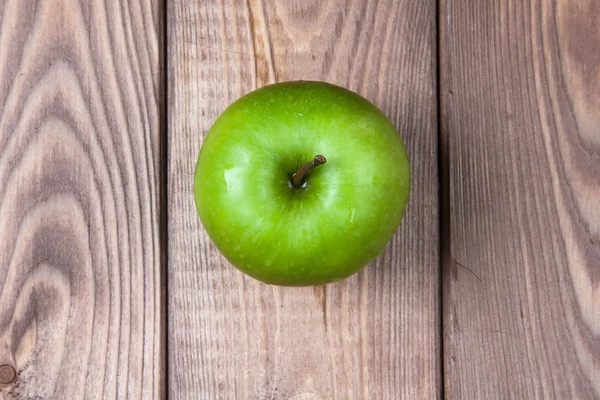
x=520 y=101
x=80 y=249
x=373 y=336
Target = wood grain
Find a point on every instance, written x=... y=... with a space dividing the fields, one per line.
x=80 y=249
x=373 y=336
x=520 y=94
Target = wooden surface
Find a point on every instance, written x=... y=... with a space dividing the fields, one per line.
x=89 y=199
x=373 y=336
x=520 y=101
x=80 y=249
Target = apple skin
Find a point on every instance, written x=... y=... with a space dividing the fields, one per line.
x=349 y=208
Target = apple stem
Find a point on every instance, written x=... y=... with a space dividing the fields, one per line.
x=297 y=178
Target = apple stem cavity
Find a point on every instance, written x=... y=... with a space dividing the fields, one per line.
x=298 y=177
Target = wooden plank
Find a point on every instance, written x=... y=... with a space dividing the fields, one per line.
x=373 y=336
x=80 y=248
x=520 y=94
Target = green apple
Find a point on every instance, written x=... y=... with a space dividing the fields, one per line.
x=301 y=183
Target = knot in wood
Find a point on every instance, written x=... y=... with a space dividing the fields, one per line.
x=7 y=374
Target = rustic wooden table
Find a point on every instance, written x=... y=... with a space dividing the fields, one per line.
x=110 y=288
